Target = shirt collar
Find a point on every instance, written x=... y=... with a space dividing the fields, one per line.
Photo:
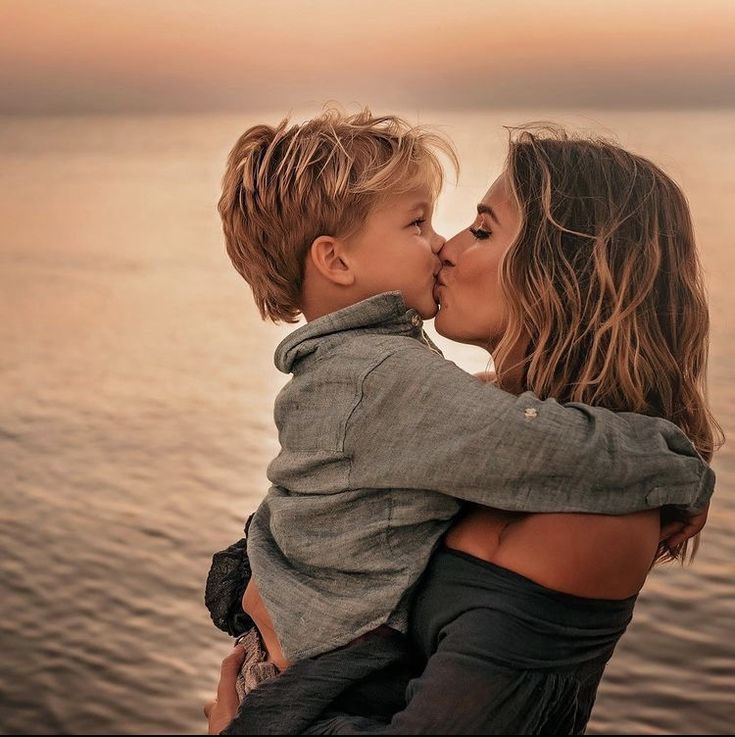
x=385 y=313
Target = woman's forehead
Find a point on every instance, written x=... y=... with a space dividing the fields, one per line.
x=498 y=200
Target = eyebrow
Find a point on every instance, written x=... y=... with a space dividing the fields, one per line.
x=487 y=210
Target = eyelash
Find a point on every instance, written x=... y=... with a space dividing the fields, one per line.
x=479 y=233
x=418 y=222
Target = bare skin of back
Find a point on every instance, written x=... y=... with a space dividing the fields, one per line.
x=587 y=555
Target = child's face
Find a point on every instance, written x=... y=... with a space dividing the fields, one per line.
x=396 y=250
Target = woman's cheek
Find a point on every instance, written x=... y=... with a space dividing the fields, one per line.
x=483 y=305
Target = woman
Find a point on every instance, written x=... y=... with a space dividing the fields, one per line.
x=580 y=275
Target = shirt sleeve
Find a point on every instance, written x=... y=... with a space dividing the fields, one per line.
x=424 y=423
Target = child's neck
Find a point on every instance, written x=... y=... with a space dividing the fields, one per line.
x=319 y=297
x=321 y=305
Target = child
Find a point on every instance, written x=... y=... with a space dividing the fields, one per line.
x=381 y=438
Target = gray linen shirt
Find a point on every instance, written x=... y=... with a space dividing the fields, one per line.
x=381 y=438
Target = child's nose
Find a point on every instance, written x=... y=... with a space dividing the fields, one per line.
x=437 y=243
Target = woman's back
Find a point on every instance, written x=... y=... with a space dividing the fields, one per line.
x=596 y=556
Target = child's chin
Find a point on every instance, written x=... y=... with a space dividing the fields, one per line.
x=441 y=325
x=429 y=313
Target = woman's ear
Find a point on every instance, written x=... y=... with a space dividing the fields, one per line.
x=329 y=256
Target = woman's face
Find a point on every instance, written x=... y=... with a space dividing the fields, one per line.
x=472 y=308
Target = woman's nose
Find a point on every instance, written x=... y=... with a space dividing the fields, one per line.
x=449 y=251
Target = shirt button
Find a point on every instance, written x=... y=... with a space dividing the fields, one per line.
x=530 y=413
x=416 y=321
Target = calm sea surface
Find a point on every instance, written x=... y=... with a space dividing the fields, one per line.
x=136 y=390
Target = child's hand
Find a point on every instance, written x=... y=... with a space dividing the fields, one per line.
x=221 y=710
x=675 y=533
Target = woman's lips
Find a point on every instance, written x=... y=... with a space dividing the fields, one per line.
x=438 y=285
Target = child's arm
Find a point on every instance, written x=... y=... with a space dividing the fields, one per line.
x=423 y=423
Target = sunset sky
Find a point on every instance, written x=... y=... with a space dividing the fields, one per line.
x=180 y=55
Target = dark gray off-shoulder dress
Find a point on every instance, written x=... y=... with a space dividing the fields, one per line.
x=490 y=652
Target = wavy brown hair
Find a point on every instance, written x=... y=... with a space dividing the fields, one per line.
x=605 y=283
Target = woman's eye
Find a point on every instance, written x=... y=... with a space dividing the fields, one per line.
x=479 y=233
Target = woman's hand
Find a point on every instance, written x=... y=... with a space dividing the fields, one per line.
x=221 y=710
x=253 y=605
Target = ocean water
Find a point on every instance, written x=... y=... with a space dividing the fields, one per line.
x=136 y=391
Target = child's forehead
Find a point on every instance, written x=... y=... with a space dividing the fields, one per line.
x=416 y=198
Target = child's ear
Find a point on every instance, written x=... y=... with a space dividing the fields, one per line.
x=329 y=256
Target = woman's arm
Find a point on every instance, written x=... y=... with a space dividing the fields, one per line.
x=252 y=604
x=221 y=710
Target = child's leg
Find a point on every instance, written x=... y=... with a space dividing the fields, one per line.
x=256 y=667
x=226 y=581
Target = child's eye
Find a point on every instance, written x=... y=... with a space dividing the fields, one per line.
x=479 y=233
x=418 y=222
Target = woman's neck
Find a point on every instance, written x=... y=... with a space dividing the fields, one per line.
x=510 y=374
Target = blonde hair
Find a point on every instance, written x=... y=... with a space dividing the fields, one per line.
x=605 y=280
x=286 y=185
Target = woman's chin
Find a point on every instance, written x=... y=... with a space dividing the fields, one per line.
x=449 y=325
